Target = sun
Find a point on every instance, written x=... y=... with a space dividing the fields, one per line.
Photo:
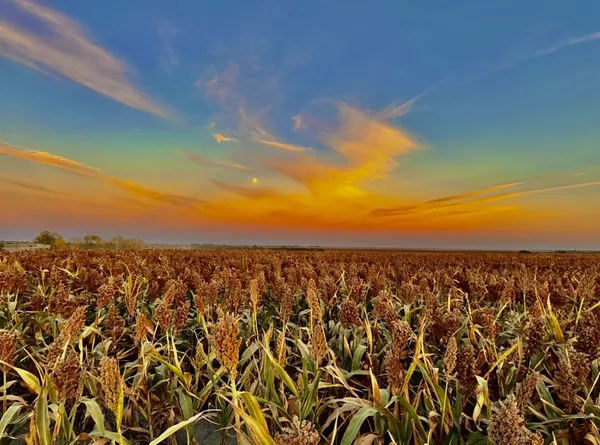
x=254 y=180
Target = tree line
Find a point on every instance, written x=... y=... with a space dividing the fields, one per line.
x=56 y=241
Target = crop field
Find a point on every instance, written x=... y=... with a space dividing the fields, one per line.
x=299 y=348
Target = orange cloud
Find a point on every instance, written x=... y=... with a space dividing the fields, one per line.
x=249 y=192
x=31 y=187
x=362 y=149
x=440 y=202
x=346 y=185
x=368 y=149
x=42 y=157
x=165 y=198
x=64 y=49
x=370 y=145
x=283 y=146
x=222 y=138
x=444 y=203
x=78 y=168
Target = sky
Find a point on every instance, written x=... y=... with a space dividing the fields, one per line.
x=403 y=124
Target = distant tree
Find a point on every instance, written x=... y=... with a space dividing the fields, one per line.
x=76 y=242
x=46 y=238
x=60 y=243
x=118 y=242
x=49 y=239
x=134 y=243
x=92 y=240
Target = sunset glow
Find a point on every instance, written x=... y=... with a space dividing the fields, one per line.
x=272 y=126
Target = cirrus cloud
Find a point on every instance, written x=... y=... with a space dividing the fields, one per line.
x=61 y=47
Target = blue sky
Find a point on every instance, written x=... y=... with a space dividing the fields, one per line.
x=487 y=93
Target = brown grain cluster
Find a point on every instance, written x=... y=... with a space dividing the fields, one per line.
x=466 y=370
x=527 y=388
x=299 y=433
x=110 y=380
x=318 y=343
x=450 y=356
x=312 y=298
x=67 y=378
x=106 y=293
x=8 y=349
x=384 y=308
x=114 y=324
x=349 y=315
x=225 y=338
x=507 y=426
x=143 y=327
x=394 y=359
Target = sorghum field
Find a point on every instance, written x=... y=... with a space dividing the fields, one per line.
x=277 y=347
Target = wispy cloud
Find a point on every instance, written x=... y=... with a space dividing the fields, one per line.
x=61 y=47
x=284 y=146
x=44 y=158
x=252 y=126
x=32 y=187
x=442 y=204
x=155 y=195
x=298 y=122
x=223 y=86
x=248 y=192
x=220 y=138
x=394 y=111
x=205 y=161
x=169 y=59
x=569 y=42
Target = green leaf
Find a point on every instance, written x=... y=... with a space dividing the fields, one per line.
x=457 y=409
x=248 y=353
x=261 y=433
x=453 y=438
x=550 y=408
x=254 y=408
x=42 y=418
x=310 y=397
x=172 y=430
x=477 y=438
x=565 y=418
x=9 y=417
x=284 y=376
x=413 y=415
x=30 y=380
x=95 y=412
x=356 y=423
x=357 y=356
x=174 y=369
x=185 y=401
x=120 y=406
x=304 y=351
x=112 y=436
